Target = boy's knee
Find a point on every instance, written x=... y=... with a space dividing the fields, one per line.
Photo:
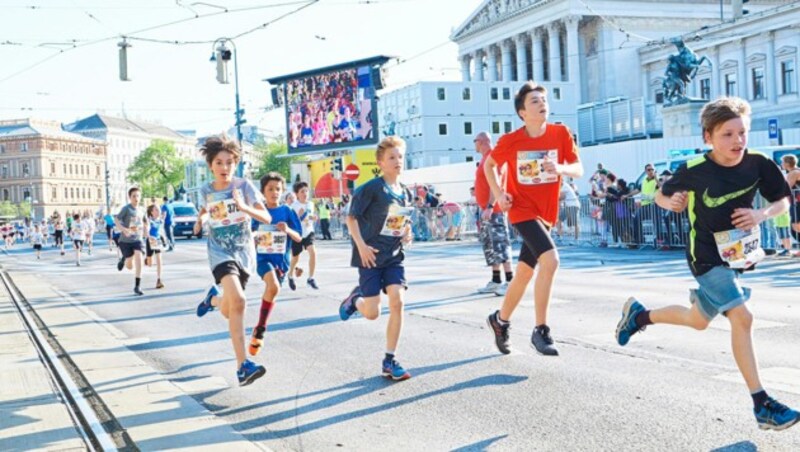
x=741 y=318
x=699 y=323
x=549 y=262
x=371 y=314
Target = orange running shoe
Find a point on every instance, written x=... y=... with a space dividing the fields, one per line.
x=257 y=341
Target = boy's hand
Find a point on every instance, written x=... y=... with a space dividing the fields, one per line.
x=505 y=200
x=281 y=226
x=239 y=200
x=678 y=201
x=745 y=219
x=550 y=166
x=367 y=255
x=408 y=237
x=486 y=214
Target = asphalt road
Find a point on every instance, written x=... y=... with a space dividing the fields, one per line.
x=670 y=389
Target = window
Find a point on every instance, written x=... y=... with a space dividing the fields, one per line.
x=495 y=127
x=99 y=194
x=53 y=194
x=66 y=193
x=506 y=93
x=26 y=195
x=467 y=128
x=52 y=168
x=6 y=195
x=2 y=148
x=493 y=94
x=730 y=84
x=24 y=147
x=4 y=172
x=705 y=88
x=466 y=94
x=659 y=96
x=557 y=93
x=26 y=170
x=787 y=77
x=440 y=94
x=758 y=82
x=65 y=169
x=442 y=129
x=72 y=193
x=507 y=127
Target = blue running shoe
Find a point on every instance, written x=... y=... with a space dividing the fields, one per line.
x=205 y=305
x=250 y=372
x=392 y=369
x=348 y=306
x=774 y=415
x=627 y=324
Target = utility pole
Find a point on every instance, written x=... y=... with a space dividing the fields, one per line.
x=221 y=55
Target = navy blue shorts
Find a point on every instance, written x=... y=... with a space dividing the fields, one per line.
x=265 y=267
x=373 y=280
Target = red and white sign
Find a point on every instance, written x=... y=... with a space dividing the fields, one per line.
x=351 y=172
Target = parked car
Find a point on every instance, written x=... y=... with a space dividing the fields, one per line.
x=184 y=220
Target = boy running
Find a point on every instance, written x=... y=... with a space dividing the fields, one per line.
x=78 y=234
x=378 y=221
x=37 y=238
x=230 y=203
x=538 y=155
x=719 y=188
x=89 y=227
x=132 y=223
x=155 y=237
x=273 y=250
x=304 y=209
x=58 y=234
x=109 y=219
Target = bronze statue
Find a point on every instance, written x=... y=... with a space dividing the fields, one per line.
x=680 y=71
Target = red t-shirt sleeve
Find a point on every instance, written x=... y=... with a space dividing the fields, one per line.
x=570 y=148
x=500 y=153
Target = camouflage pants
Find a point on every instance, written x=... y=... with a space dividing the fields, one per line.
x=495 y=240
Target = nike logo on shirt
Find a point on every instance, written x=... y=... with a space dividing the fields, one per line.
x=712 y=202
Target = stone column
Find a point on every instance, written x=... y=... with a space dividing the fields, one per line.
x=477 y=61
x=770 y=74
x=491 y=58
x=537 y=60
x=573 y=52
x=716 y=91
x=506 y=49
x=554 y=47
x=646 y=82
x=465 y=75
x=742 y=82
x=522 y=57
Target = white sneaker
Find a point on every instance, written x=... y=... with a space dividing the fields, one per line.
x=491 y=287
x=501 y=289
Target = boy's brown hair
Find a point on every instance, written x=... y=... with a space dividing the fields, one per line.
x=722 y=110
x=519 y=98
x=216 y=144
x=132 y=190
x=389 y=143
x=271 y=176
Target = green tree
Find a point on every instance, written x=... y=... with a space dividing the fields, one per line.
x=157 y=168
x=24 y=209
x=7 y=209
x=273 y=158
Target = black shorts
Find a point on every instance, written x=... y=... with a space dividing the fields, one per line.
x=78 y=243
x=150 y=250
x=128 y=248
x=536 y=241
x=109 y=229
x=230 y=268
x=37 y=247
x=298 y=247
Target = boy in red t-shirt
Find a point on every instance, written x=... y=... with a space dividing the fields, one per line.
x=538 y=155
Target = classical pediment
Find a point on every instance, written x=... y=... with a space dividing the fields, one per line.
x=728 y=64
x=756 y=58
x=493 y=12
x=786 y=50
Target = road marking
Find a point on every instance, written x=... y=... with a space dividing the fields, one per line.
x=776 y=378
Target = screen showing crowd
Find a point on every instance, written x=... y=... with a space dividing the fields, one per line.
x=330 y=108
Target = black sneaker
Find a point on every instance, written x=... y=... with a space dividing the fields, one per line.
x=292 y=285
x=312 y=284
x=542 y=341
x=121 y=264
x=138 y=291
x=500 y=332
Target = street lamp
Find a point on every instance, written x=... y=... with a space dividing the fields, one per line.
x=221 y=55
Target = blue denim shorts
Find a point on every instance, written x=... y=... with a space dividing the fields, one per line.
x=373 y=280
x=719 y=292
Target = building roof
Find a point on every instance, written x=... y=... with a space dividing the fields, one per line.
x=100 y=122
x=29 y=127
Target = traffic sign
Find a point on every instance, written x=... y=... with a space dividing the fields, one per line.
x=773 y=128
x=351 y=172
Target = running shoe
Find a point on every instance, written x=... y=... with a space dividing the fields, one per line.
x=542 y=342
x=206 y=305
x=500 y=332
x=312 y=283
x=348 y=306
x=774 y=415
x=159 y=284
x=783 y=253
x=250 y=372
x=120 y=264
x=501 y=290
x=138 y=291
x=627 y=324
x=292 y=285
x=491 y=287
x=257 y=341
x=392 y=369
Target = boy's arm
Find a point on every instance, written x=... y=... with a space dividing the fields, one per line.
x=294 y=235
x=366 y=252
x=198 y=225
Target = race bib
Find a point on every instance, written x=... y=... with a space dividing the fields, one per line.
x=529 y=167
x=223 y=211
x=269 y=240
x=396 y=220
x=155 y=244
x=740 y=249
x=77 y=233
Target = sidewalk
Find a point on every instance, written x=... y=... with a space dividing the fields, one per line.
x=156 y=413
x=32 y=415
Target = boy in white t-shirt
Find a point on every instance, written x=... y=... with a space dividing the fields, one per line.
x=37 y=238
x=89 y=228
x=78 y=235
x=304 y=209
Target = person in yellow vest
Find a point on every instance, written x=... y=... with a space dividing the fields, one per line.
x=649 y=208
x=325 y=219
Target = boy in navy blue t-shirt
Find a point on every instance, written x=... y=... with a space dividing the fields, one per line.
x=272 y=251
x=379 y=224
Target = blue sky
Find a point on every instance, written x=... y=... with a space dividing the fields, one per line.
x=43 y=75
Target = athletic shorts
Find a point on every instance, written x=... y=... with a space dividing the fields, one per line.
x=115 y=239
x=373 y=280
x=494 y=239
x=37 y=247
x=78 y=243
x=109 y=229
x=128 y=248
x=298 y=247
x=265 y=267
x=719 y=292
x=150 y=250
x=230 y=268
x=536 y=241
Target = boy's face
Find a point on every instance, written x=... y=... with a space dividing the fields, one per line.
x=273 y=192
x=223 y=166
x=729 y=139
x=535 y=108
x=302 y=194
x=136 y=196
x=391 y=163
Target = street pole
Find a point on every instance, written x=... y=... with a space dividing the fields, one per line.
x=224 y=55
x=108 y=191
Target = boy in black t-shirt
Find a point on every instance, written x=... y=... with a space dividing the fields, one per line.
x=719 y=188
x=379 y=223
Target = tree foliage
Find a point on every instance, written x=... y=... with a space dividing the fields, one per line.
x=157 y=168
x=273 y=159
